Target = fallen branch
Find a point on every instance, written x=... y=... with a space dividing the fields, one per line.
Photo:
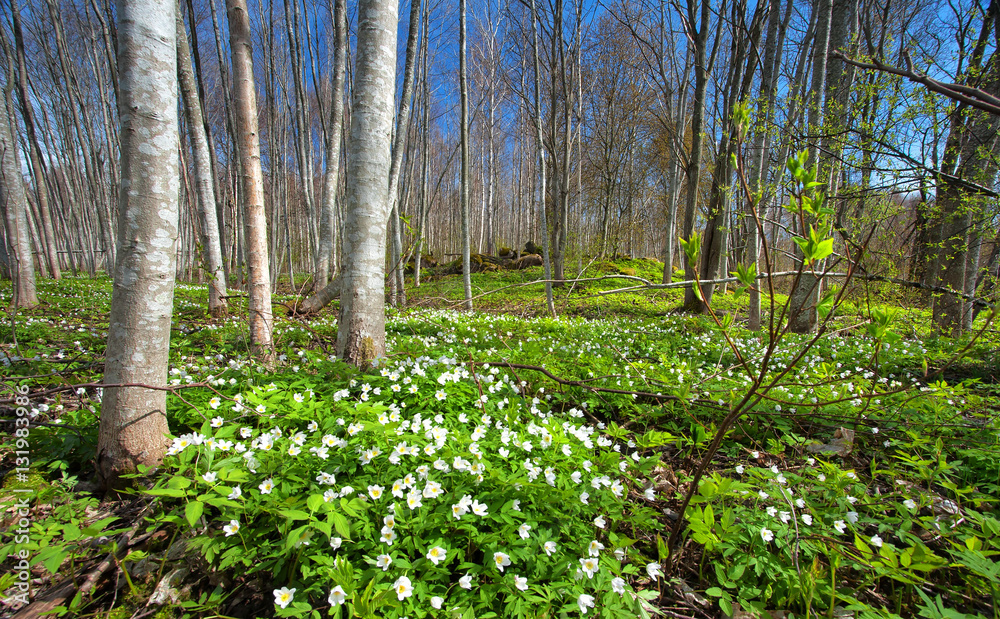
x=580 y=383
x=45 y=606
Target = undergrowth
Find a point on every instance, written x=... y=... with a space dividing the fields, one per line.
x=458 y=479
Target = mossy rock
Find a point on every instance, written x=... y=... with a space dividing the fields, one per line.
x=627 y=271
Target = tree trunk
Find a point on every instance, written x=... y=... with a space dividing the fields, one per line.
x=693 y=173
x=133 y=425
x=399 y=147
x=321 y=298
x=327 y=229
x=34 y=149
x=15 y=202
x=550 y=305
x=424 y=206
x=464 y=95
x=248 y=139
x=761 y=149
x=204 y=182
x=361 y=334
x=804 y=297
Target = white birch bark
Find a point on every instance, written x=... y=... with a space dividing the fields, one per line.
x=361 y=332
x=327 y=232
x=398 y=148
x=15 y=206
x=211 y=244
x=546 y=264
x=464 y=96
x=34 y=151
x=133 y=423
x=248 y=139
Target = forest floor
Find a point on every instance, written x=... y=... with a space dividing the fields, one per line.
x=502 y=463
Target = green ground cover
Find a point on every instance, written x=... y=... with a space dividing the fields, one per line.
x=501 y=463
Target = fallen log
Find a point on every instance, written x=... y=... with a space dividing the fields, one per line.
x=318 y=300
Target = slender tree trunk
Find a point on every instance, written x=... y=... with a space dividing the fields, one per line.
x=424 y=155
x=466 y=235
x=741 y=71
x=133 y=424
x=804 y=297
x=760 y=152
x=399 y=148
x=34 y=149
x=205 y=191
x=361 y=334
x=550 y=305
x=248 y=138
x=327 y=229
x=693 y=172
x=302 y=125
x=15 y=204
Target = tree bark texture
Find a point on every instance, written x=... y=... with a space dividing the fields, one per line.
x=248 y=140
x=15 y=206
x=211 y=244
x=34 y=149
x=331 y=176
x=133 y=424
x=361 y=332
x=464 y=95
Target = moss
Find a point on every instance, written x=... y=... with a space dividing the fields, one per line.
x=35 y=481
x=367 y=352
x=137 y=599
x=627 y=271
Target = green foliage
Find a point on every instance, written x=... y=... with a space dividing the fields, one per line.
x=908 y=513
x=410 y=474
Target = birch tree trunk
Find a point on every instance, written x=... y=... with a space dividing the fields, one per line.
x=34 y=150
x=546 y=263
x=15 y=205
x=361 y=333
x=327 y=231
x=133 y=424
x=424 y=161
x=248 y=139
x=398 y=148
x=802 y=314
x=211 y=245
x=464 y=95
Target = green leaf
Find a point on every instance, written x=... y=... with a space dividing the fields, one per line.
x=294 y=514
x=325 y=527
x=823 y=249
x=52 y=557
x=315 y=501
x=692 y=247
x=825 y=305
x=179 y=482
x=746 y=275
x=193 y=511
x=171 y=492
x=341 y=524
